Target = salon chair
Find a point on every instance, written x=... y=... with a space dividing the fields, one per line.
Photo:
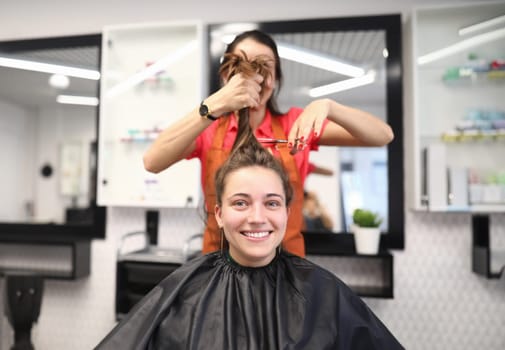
x=140 y=269
x=22 y=301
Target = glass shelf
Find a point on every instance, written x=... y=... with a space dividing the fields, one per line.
x=474 y=136
x=461 y=74
x=152 y=74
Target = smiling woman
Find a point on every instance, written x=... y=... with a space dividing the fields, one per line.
x=251 y=295
x=48 y=99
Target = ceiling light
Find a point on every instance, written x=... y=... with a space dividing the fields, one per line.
x=461 y=46
x=318 y=60
x=77 y=100
x=59 y=81
x=369 y=78
x=481 y=25
x=151 y=70
x=49 y=68
x=309 y=57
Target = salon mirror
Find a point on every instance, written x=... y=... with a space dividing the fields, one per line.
x=48 y=118
x=370 y=47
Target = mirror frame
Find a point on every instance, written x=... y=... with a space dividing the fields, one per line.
x=330 y=243
x=51 y=231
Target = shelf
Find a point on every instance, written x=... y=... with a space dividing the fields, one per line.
x=466 y=75
x=373 y=292
x=151 y=76
x=480 y=208
x=464 y=113
x=53 y=259
x=476 y=136
x=368 y=275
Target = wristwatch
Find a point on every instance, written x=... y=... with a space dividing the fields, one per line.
x=204 y=112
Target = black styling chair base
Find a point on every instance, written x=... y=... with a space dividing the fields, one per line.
x=23 y=299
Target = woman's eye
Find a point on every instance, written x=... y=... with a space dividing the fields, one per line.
x=273 y=204
x=239 y=204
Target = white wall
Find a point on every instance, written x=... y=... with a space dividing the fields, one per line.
x=28 y=140
x=439 y=303
x=17 y=139
x=26 y=18
x=76 y=125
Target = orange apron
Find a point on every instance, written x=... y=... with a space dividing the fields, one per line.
x=293 y=239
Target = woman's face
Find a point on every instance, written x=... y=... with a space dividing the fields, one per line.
x=254 y=49
x=253 y=215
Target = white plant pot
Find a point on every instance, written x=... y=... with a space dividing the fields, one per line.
x=366 y=239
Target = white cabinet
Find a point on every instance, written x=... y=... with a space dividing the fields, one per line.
x=456 y=134
x=152 y=75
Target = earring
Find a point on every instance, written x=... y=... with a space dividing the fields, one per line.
x=279 y=249
x=221 y=239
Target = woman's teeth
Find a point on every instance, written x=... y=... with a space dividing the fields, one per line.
x=256 y=234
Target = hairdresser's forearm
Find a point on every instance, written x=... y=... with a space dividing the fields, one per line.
x=364 y=128
x=175 y=143
x=178 y=140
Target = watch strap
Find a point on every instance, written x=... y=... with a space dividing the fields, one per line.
x=204 y=112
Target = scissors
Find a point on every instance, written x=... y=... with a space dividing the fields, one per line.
x=293 y=151
x=267 y=140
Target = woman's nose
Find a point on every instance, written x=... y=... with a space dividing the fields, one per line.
x=257 y=214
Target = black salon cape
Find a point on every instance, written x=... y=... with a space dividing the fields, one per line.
x=212 y=303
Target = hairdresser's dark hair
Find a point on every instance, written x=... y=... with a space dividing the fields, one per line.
x=266 y=40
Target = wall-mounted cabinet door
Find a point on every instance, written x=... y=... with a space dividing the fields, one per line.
x=458 y=125
x=152 y=75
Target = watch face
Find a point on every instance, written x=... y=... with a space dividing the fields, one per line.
x=204 y=111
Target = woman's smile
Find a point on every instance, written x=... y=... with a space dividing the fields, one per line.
x=255 y=235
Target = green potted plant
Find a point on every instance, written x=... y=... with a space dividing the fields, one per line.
x=366 y=231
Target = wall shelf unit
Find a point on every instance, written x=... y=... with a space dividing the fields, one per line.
x=368 y=275
x=457 y=130
x=456 y=135
x=52 y=257
x=152 y=74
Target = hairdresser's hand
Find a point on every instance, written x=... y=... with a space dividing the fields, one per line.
x=239 y=92
x=309 y=124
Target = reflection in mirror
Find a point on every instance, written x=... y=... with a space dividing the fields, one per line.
x=358 y=176
x=48 y=140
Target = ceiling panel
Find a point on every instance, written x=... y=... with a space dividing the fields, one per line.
x=32 y=89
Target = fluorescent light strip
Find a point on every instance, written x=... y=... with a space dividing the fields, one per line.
x=152 y=69
x=316 y=59
x=348 y=84
x=77 y=100
x=481 y=25
x=461 y=46
x=49 y=68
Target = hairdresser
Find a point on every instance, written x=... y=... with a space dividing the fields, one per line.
x=251 y=77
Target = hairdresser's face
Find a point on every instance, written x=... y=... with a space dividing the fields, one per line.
x=253 y=215
x=254 y=49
